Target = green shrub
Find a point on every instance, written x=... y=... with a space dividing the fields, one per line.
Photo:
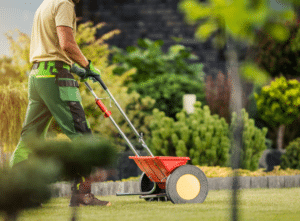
x=291 y=158
x=201 y=136
x=278 y=105
x=168 y=90
x=150 y=61
x=254 y=141
x=279 y=102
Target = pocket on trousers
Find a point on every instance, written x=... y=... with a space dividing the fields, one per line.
x=68 y=90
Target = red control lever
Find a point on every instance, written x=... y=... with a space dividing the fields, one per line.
x=103 y=108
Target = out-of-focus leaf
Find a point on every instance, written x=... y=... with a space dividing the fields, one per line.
x=206 y=30
x=253 y=73
x=278 y=31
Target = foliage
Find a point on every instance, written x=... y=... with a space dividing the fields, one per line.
x=168 y=90
x=12 y=112
x=26 y=186
x=249 y=16
x=205 y=137
x=291 y=157
x=165 y=77
x=17 y=66
x=94 y=49
x=254 y=141
x=201 y=136
x=278 y=103
x=279 y=57
x=77 y=158
x=217 y=93
x=150 y=61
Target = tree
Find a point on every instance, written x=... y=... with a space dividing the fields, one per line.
x=238 y=19
x=278 y=105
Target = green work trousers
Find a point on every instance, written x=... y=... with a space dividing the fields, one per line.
x=52 y=92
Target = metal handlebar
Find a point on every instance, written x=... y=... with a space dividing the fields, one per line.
x=81 y=71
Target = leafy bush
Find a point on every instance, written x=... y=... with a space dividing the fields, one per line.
x=254 y=141
x=201 y=136
x=165 y=77
x=150 y=61
x=279 y=102
x=291 y=158
x=168 y=90
x=205 y=138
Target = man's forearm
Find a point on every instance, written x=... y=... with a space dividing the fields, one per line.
x=74 y=52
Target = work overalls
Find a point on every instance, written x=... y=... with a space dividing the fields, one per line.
x=52 y=92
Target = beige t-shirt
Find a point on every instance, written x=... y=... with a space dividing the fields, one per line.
x=44 y=40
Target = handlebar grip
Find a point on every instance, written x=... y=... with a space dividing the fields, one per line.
x=81 y=71
x=97 y=78
x=77 y=70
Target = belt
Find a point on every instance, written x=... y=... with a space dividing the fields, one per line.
x=57 y=64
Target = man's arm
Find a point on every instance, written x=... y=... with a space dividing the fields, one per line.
x=68 y=44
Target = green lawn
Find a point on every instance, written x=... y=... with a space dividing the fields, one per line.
x=255 y=204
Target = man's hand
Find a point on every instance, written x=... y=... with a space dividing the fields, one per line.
x=88 y=72
x=91 y=71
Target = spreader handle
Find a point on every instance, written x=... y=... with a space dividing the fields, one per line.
x=98 y=78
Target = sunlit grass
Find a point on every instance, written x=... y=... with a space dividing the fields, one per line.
x=255 y=204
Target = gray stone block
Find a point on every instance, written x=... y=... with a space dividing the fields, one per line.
x=275 y=181
x=115 y=186
x=291 y=181
x=61 y=189
x=244 y=182
x=224 y=183
x=100 y=189
x=259 y=182
x=297 y=177
x=126 y=187
x=121 y=187
x=212 y=183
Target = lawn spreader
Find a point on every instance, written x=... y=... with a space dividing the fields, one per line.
x=163 y=178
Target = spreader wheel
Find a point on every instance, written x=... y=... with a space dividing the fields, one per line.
x=147 y=185
x=187 y=184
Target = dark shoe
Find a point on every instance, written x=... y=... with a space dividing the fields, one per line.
x=87 y=199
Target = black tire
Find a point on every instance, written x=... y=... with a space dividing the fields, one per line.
x=146 y=185
x=187 y=184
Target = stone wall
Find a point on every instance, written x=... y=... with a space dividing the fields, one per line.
x=219 y=183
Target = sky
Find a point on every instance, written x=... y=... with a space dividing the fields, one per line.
x=18 y=14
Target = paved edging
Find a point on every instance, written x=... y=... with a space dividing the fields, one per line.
x=220 y=183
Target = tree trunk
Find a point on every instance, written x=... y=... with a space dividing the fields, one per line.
x=235 y=106
x=280 y=136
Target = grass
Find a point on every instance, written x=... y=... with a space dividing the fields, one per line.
x=255 y=204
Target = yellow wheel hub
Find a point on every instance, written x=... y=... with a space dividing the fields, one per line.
x=188 y=187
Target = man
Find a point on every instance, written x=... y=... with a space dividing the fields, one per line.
x=53 y=92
